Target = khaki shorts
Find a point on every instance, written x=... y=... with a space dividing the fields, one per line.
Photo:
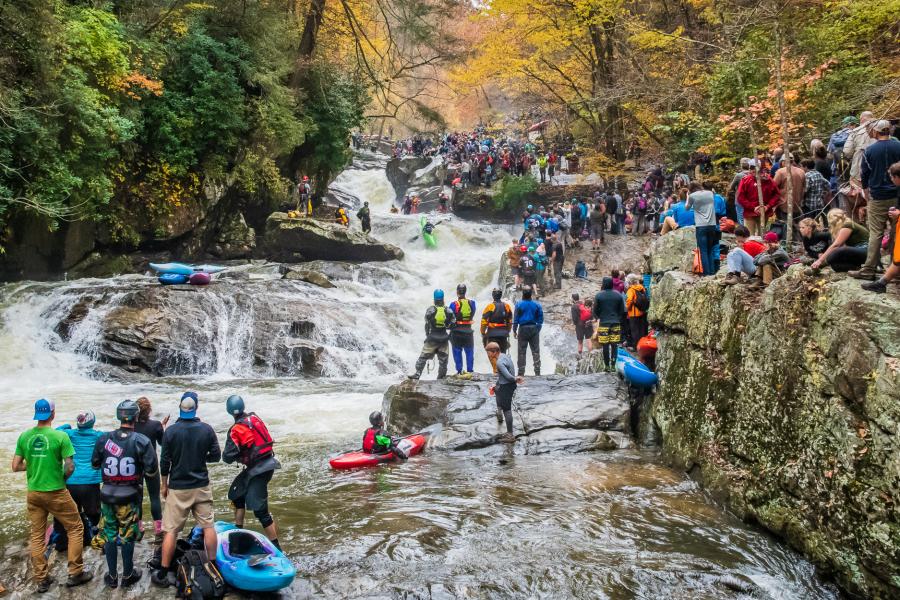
x=181 y=503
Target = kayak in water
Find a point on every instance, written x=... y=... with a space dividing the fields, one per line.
x=411 y=445
x=249 y=561
x=427 y=233
x=633 y=370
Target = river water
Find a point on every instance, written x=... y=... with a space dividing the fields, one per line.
x=606 y=525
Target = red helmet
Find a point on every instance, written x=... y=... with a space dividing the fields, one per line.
x=306 y=178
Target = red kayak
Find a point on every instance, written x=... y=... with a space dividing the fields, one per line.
x=357 y=459
x=646 y=346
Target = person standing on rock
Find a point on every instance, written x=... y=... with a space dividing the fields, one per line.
x=528 y=318
x=514 y=255
x=154 y=430
x=438 y=322
x=462 y=337
x=505 y=388
x=583 y=320
x=45 y=455
x=558 y=258
x=637 y=303
x=365 y=220
x=598 y=225
x=496 y=322
x=609 y=309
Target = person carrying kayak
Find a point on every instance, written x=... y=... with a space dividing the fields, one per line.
x=341 y=216
x=505 y=388
x=125 y=457
x=496 y=322
x=438 y=321
x=248 y=442
x=378 y=441
x=462 y=337
x=365 y=220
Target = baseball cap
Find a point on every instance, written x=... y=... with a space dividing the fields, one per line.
x=882 y=126
x=849 y=121
x=43 y=409
x=188 y=407
x=771 y=237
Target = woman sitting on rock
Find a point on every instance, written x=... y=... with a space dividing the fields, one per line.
x=848 y=248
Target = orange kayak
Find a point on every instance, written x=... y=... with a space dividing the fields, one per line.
x=646 y=346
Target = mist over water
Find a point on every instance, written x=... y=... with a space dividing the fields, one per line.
x=613 y=525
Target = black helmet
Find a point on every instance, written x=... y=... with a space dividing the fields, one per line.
x=496 y=294
x=461 y=289
x=376 y=419
x=234 y=405
x=127 y=411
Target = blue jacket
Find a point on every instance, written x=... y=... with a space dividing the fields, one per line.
x=528 y=312
x=683 y=216
x=878 y=158
x=83 y=441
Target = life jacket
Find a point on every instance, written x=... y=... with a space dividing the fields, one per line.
x=463 y=312
x=526 y=263
x=370 y=443
x=262 y=440
x=497 y=321
x=122 y=466
x=584 y=313
x=440 y=317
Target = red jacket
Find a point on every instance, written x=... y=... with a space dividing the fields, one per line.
x=749 y=199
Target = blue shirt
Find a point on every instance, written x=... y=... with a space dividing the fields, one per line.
x=874 y=173
x=683 y=216
x=83 y=441
x=552 y=225
x=455 y=307
x=527 y=312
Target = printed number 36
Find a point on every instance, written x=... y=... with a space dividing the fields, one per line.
x=119 y=466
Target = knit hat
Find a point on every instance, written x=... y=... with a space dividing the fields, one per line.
x=771 y=237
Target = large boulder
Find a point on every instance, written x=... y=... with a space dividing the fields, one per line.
x=674 y=251
x=785 y=402
x=401 y=172
x=293 y=240
x=235 y=239
x=551 y=413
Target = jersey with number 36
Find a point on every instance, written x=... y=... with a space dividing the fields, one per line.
x=124 y=458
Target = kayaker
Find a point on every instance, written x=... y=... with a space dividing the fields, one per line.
x=378 y=441
x=528 y=318
x=248 y=442
x=428 y=227
x=153 y=429
x=496 y=321
x=341 y=216
x=188 y=445
x=609 y=309
x=365 y=220
x=304 y=196
x=505 y=388
x=84 y=483
x=125 y=457
x=45 y=455
x=462 y=337
x=438 y=321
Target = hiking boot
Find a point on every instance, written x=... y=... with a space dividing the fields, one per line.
x=414 y=376
x=467 y=375
x=875 y=286
x=161 y=579
x=44 y=585
x=732 y=279
x=80 y=579
x=866 y=274
x=133 y=578
x=111 y=581
x=507 y=438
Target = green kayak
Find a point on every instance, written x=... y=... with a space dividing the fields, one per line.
x=430 y=241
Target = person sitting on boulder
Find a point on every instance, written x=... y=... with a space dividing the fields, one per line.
x=773 y=260
x=340 y=216
x=740 y=259
x=378 y=441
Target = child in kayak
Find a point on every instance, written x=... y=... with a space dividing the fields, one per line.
x=378 y=441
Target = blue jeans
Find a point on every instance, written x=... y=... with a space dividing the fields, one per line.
x=707 y=241
x=739 y=209
x=740 y=262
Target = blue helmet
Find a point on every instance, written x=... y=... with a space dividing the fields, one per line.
x=438 y=295
x=234 y=405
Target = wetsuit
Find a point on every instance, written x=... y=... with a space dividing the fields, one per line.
x=124 y=456
x=461 y=335
x=249 y=443
x=379 y=441
x=365 y=220
x=438 y=320
x=153 y=429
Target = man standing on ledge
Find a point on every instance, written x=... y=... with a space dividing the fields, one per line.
x=462 y=338
x=528 y=319
x=187 y=446
x=438 y=321
x=505 y=388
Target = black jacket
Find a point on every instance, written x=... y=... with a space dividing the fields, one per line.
x=187 y=446
x=609 y=307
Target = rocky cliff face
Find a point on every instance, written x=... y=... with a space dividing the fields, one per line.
x=295 y=240
x=786 y=404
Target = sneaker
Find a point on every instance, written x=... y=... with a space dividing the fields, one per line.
x=507 y=438
x=413 y=377
x=866 y=274
x=44 y=585
x=875 y=286
x=161 y=579
x=111 y=581
x=80 y=579
x=467 y=375
x=133 y=578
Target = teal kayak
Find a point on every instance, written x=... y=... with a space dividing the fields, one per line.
x=248 y=561
x=430 y=241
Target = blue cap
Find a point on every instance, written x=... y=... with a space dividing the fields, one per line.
x=43 y=409
x=188 y=407
x=438 y=294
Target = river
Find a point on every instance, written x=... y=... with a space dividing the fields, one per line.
x=606 y=525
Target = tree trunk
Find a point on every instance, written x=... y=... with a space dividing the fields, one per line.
x=602 y=43
x=308 y=40
x=787 y=158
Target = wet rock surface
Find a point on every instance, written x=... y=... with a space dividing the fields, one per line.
x=296 y=240
x=550 y=413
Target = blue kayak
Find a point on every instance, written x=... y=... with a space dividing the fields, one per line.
x=249 y=561
x=633 y=370
x=183 y=269
x=173 y=278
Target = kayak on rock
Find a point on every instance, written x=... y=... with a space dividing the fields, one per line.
x=411 y=445
x=427 y=232
x=249 y=561
x=173 y=278
x=183 y=269
x=633 y=370
x=200 y=279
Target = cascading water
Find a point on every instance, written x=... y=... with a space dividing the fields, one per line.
x=444 y=525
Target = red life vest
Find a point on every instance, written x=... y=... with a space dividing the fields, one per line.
x=370 y=442
x=261 y=440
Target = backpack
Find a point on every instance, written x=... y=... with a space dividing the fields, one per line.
x=585 y=313
x=580 y=269
x=641 y=300
x=642 y=204
x=196 y=578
